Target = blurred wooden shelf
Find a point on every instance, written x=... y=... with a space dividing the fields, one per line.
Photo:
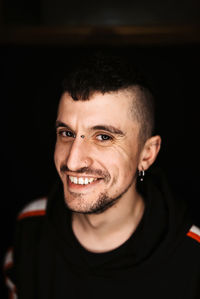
x=104 y=35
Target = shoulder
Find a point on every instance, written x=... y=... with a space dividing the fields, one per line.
x=33 y=209
x=30 y=225
x=27 y=232
x=31 y=219
x=194 y=233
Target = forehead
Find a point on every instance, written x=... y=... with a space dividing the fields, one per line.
x=109 y=108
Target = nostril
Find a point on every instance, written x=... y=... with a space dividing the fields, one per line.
x=88 y=162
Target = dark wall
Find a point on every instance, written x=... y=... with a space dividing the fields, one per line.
x=30 y=90
x=104 y=12
x=127 y=12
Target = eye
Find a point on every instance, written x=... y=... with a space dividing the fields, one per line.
x=66 y=133
x=104 y=137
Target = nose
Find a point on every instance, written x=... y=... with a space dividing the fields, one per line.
x=79 y=155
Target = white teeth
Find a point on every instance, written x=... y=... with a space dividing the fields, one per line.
x=81 y=181
x=72 y=179
x=86 y=181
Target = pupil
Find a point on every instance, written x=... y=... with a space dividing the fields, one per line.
x=69 y=134
x=105 y=137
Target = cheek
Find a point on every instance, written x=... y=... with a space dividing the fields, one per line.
x=60 y=154
x=125 y=163
x=119 y=163
x=126 y=156
x=56 y=157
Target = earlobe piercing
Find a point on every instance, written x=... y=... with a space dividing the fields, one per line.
x=141 y=175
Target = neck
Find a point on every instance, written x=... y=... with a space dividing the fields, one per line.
x=110 y=229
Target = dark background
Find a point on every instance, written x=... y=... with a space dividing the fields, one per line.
x=40 y=40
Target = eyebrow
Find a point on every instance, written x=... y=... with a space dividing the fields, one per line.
x=107 y=128
x=61 y=124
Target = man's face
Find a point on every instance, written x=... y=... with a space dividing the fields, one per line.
x=99 y=167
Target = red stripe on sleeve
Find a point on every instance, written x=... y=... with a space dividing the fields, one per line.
x=193 y=236
x=31 y=213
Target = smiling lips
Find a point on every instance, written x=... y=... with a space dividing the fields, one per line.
x=82 y=180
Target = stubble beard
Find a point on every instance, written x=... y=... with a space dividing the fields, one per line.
x=103 y=203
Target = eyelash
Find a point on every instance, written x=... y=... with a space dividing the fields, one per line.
x=60 y=133
x=105 y=140
x=108 y=138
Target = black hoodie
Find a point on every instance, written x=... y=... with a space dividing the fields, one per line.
x=160 y=260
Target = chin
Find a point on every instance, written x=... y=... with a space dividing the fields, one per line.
x=81 y=205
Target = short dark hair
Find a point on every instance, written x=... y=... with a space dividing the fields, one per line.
x=104 y=73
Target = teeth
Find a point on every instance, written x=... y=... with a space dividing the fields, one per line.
x=72 y=179
x=81 y=181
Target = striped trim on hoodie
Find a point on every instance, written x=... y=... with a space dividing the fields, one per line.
x=35 y=208
x=194 y=233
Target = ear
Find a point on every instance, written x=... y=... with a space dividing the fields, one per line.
x=149 y=152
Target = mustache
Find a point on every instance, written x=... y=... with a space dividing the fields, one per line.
x=87 y=170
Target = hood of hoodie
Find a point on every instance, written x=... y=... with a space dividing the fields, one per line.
x=163 y=226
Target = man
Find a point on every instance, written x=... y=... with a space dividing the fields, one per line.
x=111 y=227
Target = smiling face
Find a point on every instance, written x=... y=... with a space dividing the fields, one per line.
x=99 y=167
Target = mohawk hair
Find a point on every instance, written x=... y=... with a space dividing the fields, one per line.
x=104 y=73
